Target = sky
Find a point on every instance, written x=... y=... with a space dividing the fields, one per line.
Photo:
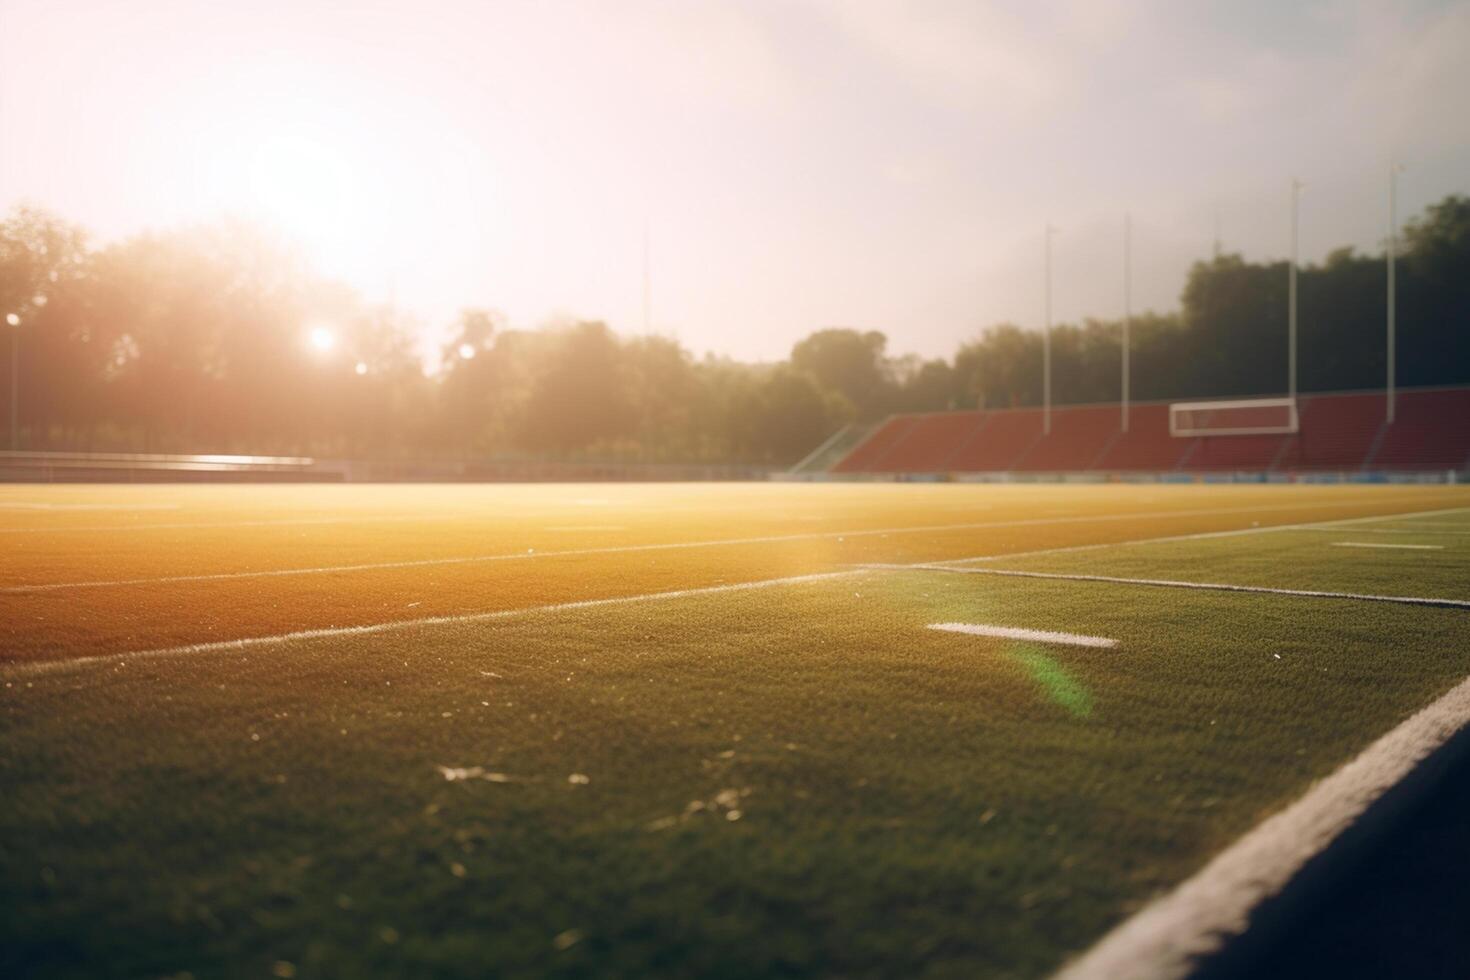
x=791 y=165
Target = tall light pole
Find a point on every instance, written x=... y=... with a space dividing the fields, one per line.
x=1127 y=306
x=1046 y=340
x=12 y=320
x=1393 y=233
x=1296 y=193
x=647 y=282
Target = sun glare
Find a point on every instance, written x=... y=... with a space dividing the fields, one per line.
x=321 y=339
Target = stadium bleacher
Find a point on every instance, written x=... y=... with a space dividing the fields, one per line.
x=1431 y=431
x=998 y=441
x=1345 y=433
x=866 y=455
x=927 y=444
x=1147 y=445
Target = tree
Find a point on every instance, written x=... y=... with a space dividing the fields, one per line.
x=788 y=414
x=582 y=397
x=850 y=363
x=44 y=269
x=662 y=389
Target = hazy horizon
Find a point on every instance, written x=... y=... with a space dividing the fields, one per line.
x=798 y=165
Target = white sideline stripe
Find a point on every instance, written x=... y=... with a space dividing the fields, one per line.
x=1378 y=544
x=40 y=505
x=1462 y=525
x=1014 y=633
x=281 y=522
x=674 y=545
x=52 y=666
x=371 y=629
x=1198 y=536
x=1173 y=584
x=1394 y=530
x=1166 y=938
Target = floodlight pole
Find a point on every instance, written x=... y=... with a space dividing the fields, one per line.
x=15 y=387
x=1296 y=191
x=1393 y=232
x=1046 y=341
x=647 y=281
x=1127 y=306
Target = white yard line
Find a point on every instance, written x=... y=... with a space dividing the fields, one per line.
x=1462 y=525
x=51 y=666
x=1166 y=938
x=47 y=506
x=334 y=632
x=208 y=525
x=1394 y=530
x=527 y=555
x=1174 y=584
x=720 y=542
x=1380 y=544
x=1331 y=525
x=1015 y=633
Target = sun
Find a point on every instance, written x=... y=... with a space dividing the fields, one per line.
x=321 y=339
x=314 y=157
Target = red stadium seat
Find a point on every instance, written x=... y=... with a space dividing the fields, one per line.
x=866 y=454
x=999 y=443
x=927 y=444
x=1147 y=445
x=1431 y=431
x=1079 y=437
x=1337 y=432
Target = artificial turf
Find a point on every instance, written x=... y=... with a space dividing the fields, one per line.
x=797 y=780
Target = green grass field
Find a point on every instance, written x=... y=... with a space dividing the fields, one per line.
x=699 y=730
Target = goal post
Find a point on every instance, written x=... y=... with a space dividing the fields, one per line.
x=1236 y=417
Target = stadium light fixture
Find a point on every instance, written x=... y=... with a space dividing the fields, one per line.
x=360 y=369
x=467 y=352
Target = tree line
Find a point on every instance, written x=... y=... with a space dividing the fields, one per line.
x=199 y=340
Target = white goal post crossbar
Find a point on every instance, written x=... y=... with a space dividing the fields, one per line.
x=1235 y=417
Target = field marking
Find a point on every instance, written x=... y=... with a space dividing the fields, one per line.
x=1393 y=530
x=282 y=522
x=1167 y=937
x=40 y=505
x=1462 y=525
x=587 y=527
x=469 y=617
x=1405 y=600
x=1329 y=525
x=1035 y=636
x=1380 y=544
x=31 y=668
x=720 y=542
x=51 y=666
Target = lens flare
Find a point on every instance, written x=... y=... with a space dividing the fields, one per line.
x=321 y=339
